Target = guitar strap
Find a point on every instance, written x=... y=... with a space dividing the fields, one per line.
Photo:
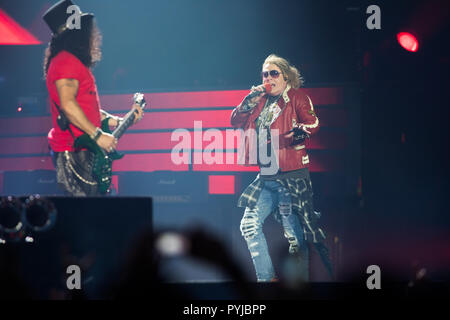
x=63 y=122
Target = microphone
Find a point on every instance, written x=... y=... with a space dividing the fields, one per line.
x=267 y=88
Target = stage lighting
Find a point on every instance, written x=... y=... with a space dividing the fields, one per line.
x=408 y=41
x=19 y=217
x=11 y=211
x=12 y=33
x=40 y=214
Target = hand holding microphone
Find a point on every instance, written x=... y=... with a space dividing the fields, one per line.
x=256 y=93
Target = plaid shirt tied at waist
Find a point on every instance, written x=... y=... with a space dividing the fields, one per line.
x=301 y=195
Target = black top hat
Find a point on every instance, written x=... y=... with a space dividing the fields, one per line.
x=56 y=17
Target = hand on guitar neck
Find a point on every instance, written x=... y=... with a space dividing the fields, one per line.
x=138 y=112
x=107 y=141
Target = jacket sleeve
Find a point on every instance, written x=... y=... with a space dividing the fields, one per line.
x=306 y=114
x=241 y=113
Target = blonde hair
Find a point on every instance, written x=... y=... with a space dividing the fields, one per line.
x=290 y=73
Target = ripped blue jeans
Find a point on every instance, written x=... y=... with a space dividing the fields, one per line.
x=273 y=195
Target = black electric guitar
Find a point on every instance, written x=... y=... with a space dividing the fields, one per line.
x=102 y=166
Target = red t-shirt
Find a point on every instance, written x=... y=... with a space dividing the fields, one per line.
x=66 y=66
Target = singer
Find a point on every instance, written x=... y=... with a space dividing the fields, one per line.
x=280 y=104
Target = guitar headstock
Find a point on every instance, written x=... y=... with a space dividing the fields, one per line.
x=139 y=99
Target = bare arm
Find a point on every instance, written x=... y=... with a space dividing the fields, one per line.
x=67 y=91
x=113 y=120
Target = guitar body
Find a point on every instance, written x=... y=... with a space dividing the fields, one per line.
x=102 y=161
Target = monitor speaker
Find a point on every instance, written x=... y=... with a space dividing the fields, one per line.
x=93 y=234
x=30 y=182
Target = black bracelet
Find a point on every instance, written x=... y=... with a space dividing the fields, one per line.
x=98 y=132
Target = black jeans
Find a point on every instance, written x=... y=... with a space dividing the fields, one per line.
x=74 y=173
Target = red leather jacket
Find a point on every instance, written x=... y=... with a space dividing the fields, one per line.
x=294 y=105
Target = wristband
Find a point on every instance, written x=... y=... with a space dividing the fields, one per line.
x=98 y=132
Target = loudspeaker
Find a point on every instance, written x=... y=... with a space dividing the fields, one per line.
x=30 y=182
x=92 y=233
x=166 y=186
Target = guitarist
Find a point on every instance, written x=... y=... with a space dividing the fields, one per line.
x=75 y=105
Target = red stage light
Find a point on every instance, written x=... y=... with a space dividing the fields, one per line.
x=11 y=33
x=19 y=109
x=408 y=41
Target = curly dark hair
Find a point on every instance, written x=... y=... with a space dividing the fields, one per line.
x=83 y=43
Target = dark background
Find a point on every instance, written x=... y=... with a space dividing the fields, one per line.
x=177 y=45
x=173 y=45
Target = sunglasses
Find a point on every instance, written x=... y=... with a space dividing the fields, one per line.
x=273 y=73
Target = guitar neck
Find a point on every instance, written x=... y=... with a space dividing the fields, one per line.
x=130 y=116
x=124 y=125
